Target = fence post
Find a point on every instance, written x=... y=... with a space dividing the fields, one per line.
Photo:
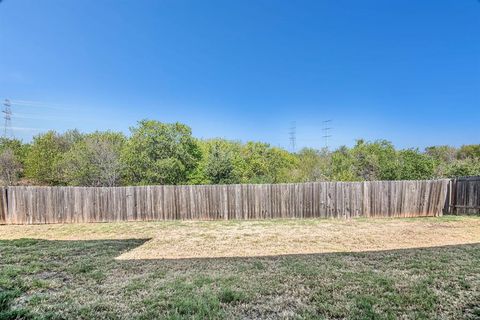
x=334 y=199
x=3 y=205
x=448 y=199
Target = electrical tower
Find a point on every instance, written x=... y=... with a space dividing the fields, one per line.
x=7 y=115
x=326 y=131
x=293 y=136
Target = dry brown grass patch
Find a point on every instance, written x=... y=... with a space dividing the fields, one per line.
x=207 y=239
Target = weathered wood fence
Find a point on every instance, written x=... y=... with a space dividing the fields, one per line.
x=464 y=196
x=36 y=205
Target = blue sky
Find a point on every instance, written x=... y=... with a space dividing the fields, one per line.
x=407 y=71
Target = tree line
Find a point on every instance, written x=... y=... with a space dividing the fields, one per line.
x=167 y=153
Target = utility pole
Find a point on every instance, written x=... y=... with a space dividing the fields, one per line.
x=7 y=111
x=293 y=136
x=326 y=131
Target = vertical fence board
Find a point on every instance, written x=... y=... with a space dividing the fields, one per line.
x=464 y=196
x=3 y=205
x=33 y=205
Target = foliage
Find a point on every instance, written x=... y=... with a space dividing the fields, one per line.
x=471 y=151
x=220 y=168
x=220 y=163
x=10 y=167
x=414 y=165
x=445 y=154
x=167 y=153
x=160 y=153
x=227 y=162
x=313 y=165
x=266 y=164
x=463 y=168
x=12 y=159
x=375 y=160
x=18 y=148
x=343 y=165
x=94 y=160
x=45 y=153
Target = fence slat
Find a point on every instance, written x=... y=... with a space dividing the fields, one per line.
x=33 y=205
x=3 y=205
x=464 y=196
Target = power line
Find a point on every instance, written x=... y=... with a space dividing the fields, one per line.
x=293 y=136
x=326 y=131
x=39 y=105
x=7 y=111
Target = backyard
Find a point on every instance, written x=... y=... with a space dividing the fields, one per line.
x=376 y=268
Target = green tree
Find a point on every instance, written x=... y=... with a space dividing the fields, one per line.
x=313 y=165
x=266 y=164
x=343 y=165
x=414 y=165
x=44 y=156
x=442 y=153
x=375 y=160
x=160 y=153
x=18 y=148
x=443 y=157
x=12 y=159
x=469 y=151
x=94 y=160
x=463 y=168
x=220 y=164
x=198 y=175
x=220 y=168
x=10 y=167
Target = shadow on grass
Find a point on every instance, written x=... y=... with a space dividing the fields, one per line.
x=34 y=265
x=30 y=249
x=82 y=279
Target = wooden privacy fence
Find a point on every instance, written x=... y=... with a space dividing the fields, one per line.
x=464 y=196
x=32 y=205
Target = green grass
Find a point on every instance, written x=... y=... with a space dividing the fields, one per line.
x=45 y=279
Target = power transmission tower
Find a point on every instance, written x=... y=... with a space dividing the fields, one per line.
x=293 y=136
x=326 y=131
x=7 y=111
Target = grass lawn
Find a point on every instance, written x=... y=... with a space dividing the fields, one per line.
x=296 y=269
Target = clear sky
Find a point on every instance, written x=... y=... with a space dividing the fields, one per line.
x=403 y=70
